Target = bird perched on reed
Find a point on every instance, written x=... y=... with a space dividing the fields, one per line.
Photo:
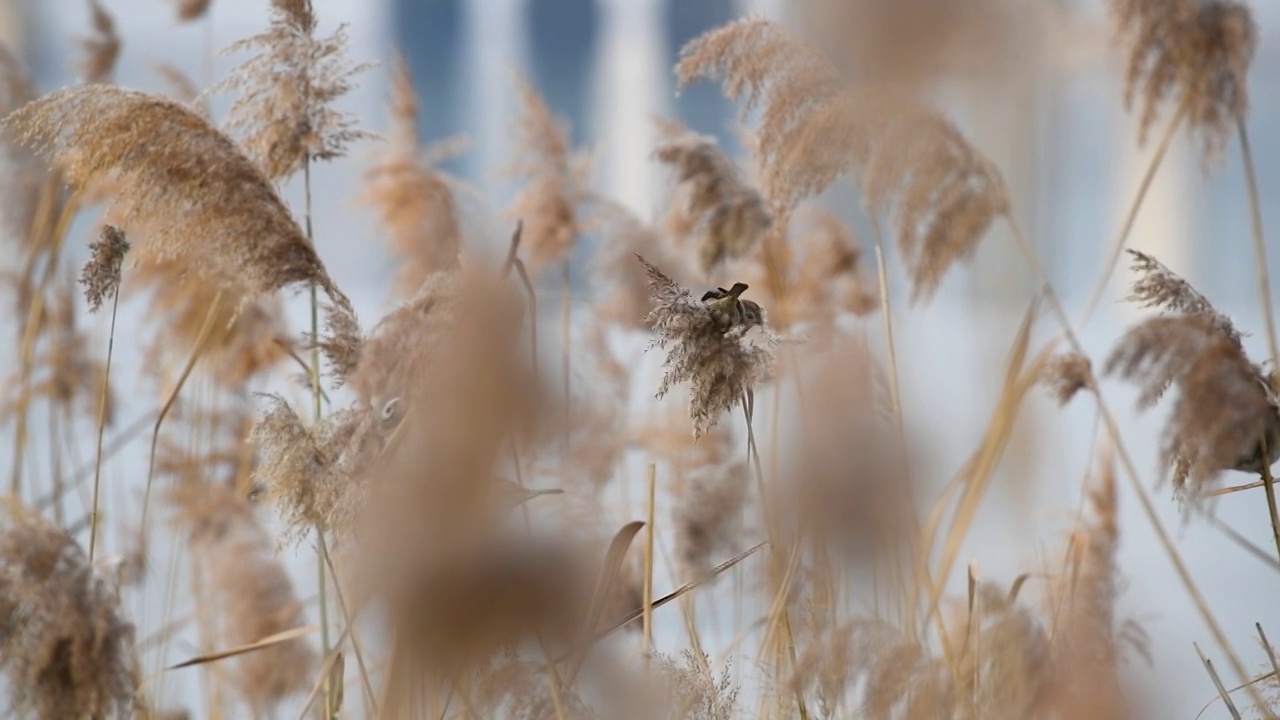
x=729 y=310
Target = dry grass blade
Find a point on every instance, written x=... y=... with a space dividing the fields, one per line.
x=266 y=642
x=1271 y=651
x=609 y=571
x=1217 y=683
x=978 y=471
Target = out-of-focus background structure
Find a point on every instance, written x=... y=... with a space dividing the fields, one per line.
x=1059 y=132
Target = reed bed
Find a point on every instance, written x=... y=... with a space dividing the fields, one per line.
x=715 y=504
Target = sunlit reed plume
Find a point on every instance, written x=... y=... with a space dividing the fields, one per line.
x=101 y=275
x=67 y=651
x=914 y=167
x=414 y=199
x=284 y=111
x=183 y=191
x=720 y=367
x=102 y=48
x=554 y=182
x=247 y=590
x=712 y=204
x=1195 y=52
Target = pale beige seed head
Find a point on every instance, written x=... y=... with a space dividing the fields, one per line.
x=101 y=275
x=102 y=48
x=182 y=189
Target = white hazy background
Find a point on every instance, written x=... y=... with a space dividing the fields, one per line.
x=1084 y=171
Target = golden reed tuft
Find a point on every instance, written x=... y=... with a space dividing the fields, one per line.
x=182 y=189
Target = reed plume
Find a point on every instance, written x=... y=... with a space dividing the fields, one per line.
x=1082 y=600
x=720 y=367
x=554 y=182
x=708 y=510
x=247 y=589
x=70 y=375
x=191 y=10
x=623 y=235
x=832 y=276
x=101 y=275
x=913 y=166
x=712 y=204
x=66 y=648
x=1224 y=409
x=25 y=178
x=1197 y=52
x=414 y=198
x=102 y=48
x=181 y=188
x=1065 y=375
x=284 y=111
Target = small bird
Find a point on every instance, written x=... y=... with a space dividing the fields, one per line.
x=729 y=310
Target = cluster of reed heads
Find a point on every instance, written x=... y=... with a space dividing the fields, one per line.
x=406 y=456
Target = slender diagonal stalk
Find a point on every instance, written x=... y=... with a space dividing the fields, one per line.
x=748 y=408
x=1259 y=244
x=1131 y=473
x=102 y=426
x=1131 y=217
x=202 y=339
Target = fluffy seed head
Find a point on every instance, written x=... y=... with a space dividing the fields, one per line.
x=101 y=275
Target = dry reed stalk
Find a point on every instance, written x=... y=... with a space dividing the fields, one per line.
x=102 y=48
x=101 y=278
x=67 y=650
x=413 y=197
x=1148 y=507
x=248 y=591
x=913 y=166
x=712 y=203
x=24 y=178
x=647 y=603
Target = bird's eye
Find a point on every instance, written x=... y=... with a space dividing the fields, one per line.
x=389 y=410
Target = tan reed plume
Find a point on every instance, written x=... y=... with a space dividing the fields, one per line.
x=191 y=10
x=67 y=650
x=414 y=199
x=554 y=182
x=914 y=167
x=102 y=48
x=712 y=203
x=720 y=367
x=1065 y=375
x=1196 y=52
x=1225 y=407
x=284 y=111
x=182 y=189
x=247 y=590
